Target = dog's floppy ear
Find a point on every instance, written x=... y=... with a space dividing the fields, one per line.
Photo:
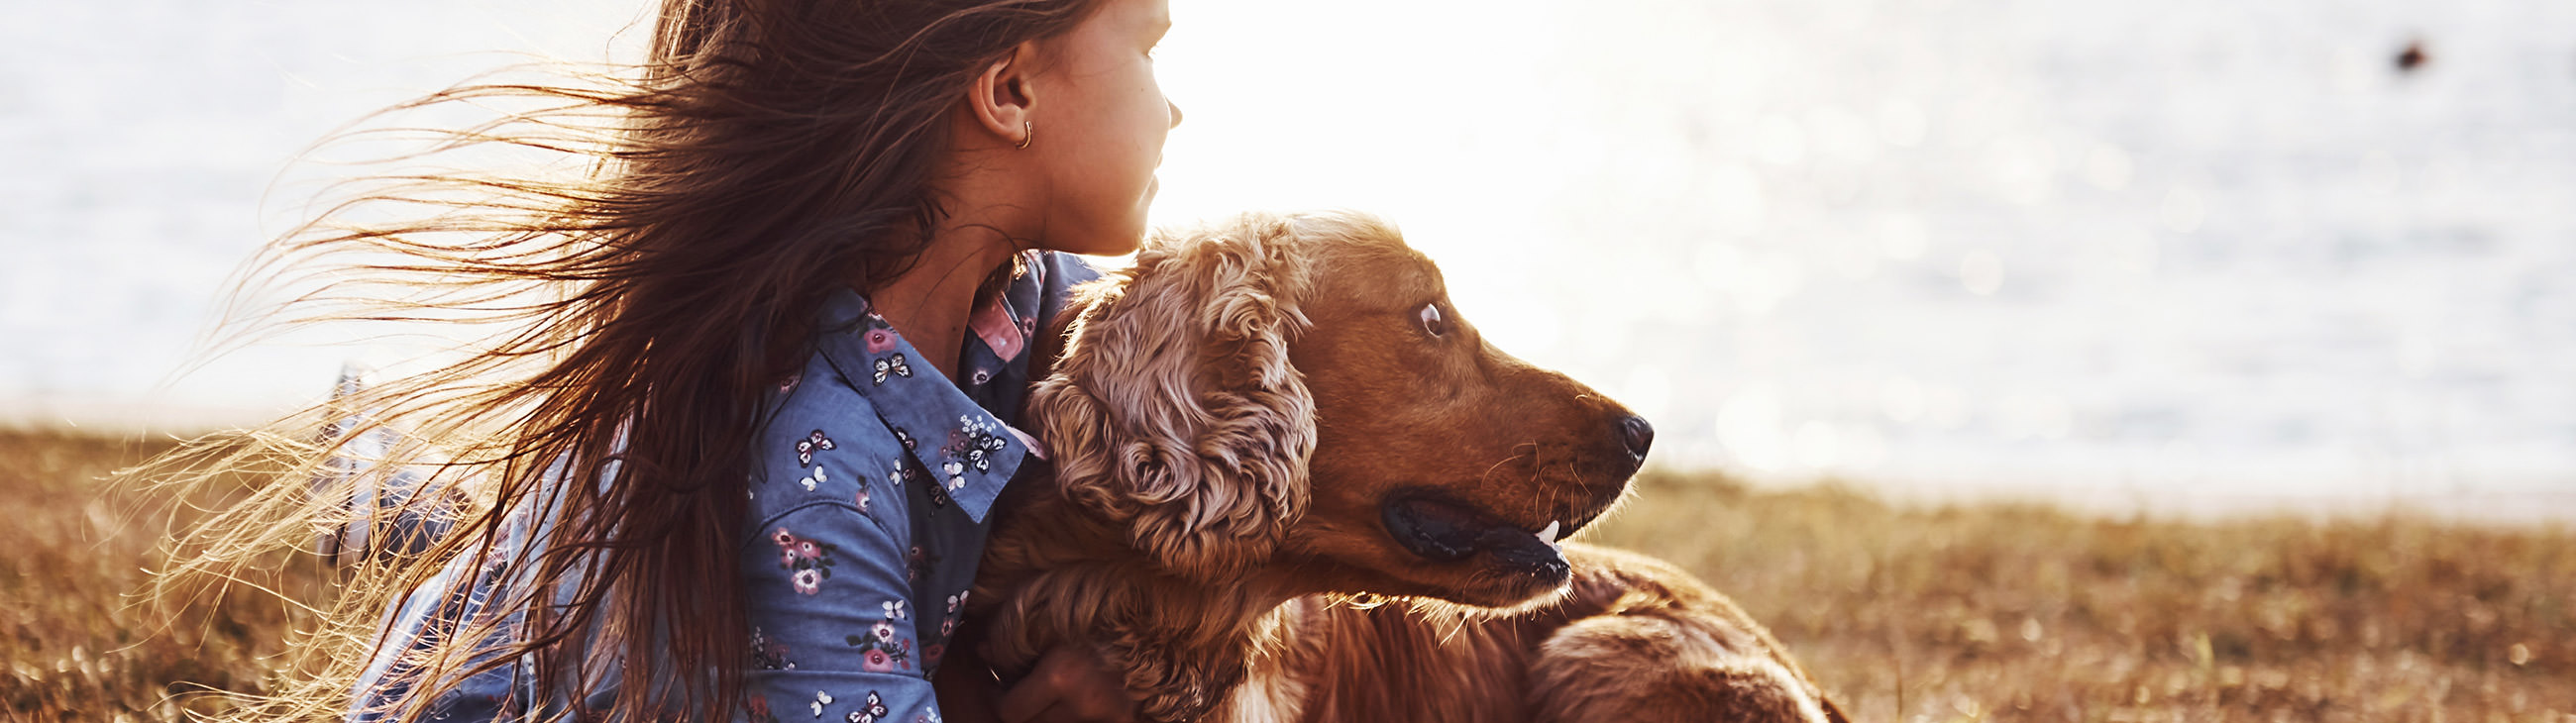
x=1174 y=410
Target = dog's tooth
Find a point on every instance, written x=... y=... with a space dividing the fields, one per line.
x=1548 y=535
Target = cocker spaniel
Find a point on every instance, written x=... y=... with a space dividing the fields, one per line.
x=1291 y=484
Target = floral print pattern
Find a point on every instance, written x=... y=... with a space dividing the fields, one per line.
x=917 y=563
x=887 y=519
x=956 y=609
x=813 y=442
x=808 y=562
x=894 y=364
x=883 y=649
x=767 y=654
x=870 y=712
x=971 y=445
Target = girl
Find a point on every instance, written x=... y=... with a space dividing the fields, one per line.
x=732 y=452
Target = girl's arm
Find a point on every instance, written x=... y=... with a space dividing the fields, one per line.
x=826 y=645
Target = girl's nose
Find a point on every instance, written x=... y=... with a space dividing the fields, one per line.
x=1176 y=112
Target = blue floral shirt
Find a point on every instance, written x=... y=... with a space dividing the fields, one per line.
x=873 y=478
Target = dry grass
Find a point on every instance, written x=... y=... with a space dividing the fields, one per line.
x=2027 y=613
x=78 y=641
x=1983 y=612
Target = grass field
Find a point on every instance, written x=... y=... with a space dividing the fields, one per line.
x=1905 y=613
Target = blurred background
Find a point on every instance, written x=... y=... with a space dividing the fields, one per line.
x=2193 y=256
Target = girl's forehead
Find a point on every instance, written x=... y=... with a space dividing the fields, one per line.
x=1148 y=16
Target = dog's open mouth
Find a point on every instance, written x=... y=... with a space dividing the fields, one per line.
x=1444 y=530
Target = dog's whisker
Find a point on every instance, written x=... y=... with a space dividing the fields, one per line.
x=1488 y=476
x=1538 y=462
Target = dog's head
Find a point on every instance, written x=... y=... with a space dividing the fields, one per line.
x=1294 y=396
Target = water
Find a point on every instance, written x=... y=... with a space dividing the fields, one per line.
x=2186 y=255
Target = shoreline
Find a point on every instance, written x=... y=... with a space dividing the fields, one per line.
x=2529 y=504
x=2508 y=506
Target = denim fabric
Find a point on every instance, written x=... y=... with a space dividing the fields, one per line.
x=872 y=480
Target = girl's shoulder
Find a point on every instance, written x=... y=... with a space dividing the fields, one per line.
x=865 y=421
x=819 y=442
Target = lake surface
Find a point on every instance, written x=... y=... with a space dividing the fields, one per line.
x=2195 y=255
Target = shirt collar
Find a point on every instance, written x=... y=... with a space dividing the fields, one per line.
x=967 y=450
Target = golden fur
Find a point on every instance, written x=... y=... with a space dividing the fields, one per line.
x=1240 y=424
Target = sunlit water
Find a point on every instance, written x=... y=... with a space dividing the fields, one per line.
x=2182 y=255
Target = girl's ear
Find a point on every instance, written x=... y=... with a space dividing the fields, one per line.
x=1175 y=411
x=1001 y=96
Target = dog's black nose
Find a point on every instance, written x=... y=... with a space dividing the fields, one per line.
x=1637 y=434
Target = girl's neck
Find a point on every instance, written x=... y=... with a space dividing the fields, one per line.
x=931 y=303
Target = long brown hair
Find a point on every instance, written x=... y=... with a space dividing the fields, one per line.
x=766 y=152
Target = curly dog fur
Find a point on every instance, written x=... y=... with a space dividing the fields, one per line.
x=1291 y=485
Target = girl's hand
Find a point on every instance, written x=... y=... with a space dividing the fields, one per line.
x=1070 y=685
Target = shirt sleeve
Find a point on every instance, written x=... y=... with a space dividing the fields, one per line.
x=830 y=608
x=826 y=567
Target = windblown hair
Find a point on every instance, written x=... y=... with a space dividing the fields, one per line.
x=630 y=314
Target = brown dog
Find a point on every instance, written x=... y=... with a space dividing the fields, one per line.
x=1266 y=428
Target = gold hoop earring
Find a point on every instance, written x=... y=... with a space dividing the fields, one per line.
x=1028 y=132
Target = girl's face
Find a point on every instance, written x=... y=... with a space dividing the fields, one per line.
x=1097 y=130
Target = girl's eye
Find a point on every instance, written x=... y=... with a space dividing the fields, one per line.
x=1433 y=322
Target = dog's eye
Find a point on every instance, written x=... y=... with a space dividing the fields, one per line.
x=1433 y=322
